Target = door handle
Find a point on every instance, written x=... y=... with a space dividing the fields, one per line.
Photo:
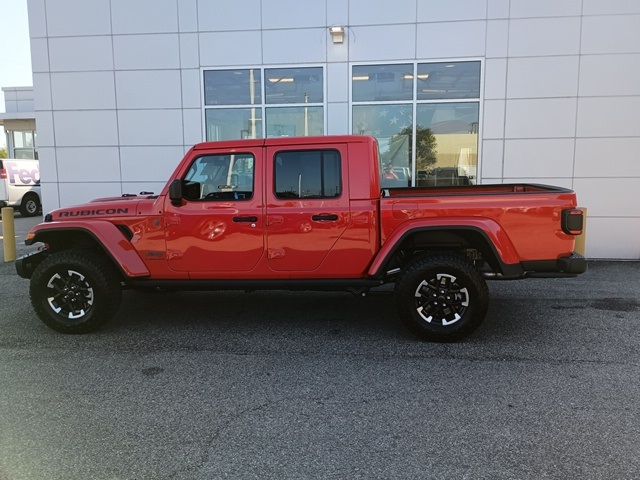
x=325 y=217
x=245 y=219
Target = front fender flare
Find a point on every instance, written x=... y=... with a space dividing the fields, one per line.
x=494 y=234
x=106 y=235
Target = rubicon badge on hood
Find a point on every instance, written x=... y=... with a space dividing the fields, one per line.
x=98 y=211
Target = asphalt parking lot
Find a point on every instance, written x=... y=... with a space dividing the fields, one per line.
x=326 y=385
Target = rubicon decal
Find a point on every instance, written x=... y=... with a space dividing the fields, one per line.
x=98 y=211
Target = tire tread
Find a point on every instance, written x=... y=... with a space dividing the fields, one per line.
x=106 y=280
x=405 y=287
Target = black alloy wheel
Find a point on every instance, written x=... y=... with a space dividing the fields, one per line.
x=70 y=294
x=442 y=297
x=75 y=291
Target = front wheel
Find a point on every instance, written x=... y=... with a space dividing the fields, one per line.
x=75 y=291
x=442 y=298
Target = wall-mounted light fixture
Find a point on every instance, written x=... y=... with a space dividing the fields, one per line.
x=337 y=34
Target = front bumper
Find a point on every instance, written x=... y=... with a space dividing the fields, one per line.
x=26 y=264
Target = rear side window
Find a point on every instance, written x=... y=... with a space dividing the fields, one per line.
x=308 y=174
x=220 y=177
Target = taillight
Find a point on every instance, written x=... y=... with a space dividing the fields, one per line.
x=3 y=173
x=572 y=221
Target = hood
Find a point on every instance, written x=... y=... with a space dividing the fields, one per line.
x=105 y=208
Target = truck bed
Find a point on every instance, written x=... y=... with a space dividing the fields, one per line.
x=529 y=215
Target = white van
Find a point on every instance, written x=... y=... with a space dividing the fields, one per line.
x=20 y=185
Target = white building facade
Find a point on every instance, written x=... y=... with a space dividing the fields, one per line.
x=456 y=91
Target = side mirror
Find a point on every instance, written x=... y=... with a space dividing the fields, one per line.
x=175 y=193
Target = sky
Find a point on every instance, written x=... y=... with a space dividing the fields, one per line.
x=15 y=52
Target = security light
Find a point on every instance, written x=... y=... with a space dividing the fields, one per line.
x=337 y=34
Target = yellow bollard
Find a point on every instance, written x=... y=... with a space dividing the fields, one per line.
x=8 y=234
x=581 y=240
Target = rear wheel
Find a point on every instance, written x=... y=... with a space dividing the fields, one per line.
x=442 y=298
x=30 y=205
x=75 y=291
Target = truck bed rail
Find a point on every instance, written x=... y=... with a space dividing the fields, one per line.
x=488 y=189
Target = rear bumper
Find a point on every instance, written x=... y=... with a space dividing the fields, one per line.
x=573 y=264
x=568 y=266
x=26 y=264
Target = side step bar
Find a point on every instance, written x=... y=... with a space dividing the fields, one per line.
x=296 y=284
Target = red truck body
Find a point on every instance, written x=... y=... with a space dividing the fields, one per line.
x=353 y=239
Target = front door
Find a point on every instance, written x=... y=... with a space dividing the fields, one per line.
x=220 y=225
x=307 y=204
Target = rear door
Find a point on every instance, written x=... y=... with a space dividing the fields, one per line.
x=307 y=204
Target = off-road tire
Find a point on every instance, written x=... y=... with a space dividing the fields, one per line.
x=30 y=205
x=431 y=322
x=98 y=273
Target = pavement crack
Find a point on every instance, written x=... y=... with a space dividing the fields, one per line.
x=206 y=448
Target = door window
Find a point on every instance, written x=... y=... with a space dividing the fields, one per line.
x=220 y=177
x=308 y=174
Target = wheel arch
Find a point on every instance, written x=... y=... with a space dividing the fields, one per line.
x=30 y=193
x=483 y=235
x=102 y=236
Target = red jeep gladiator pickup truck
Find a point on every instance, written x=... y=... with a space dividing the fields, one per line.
x=301 y=213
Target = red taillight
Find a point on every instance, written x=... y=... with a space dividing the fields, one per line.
x=572 y=221
x=3 y=173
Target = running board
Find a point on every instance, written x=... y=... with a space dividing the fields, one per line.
x=293 y=284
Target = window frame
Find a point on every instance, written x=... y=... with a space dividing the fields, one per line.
x=253 y=183
x=414 y=102
x=263 y=106
x=296 y=150
x=11 y=147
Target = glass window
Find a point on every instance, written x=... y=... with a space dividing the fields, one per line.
x=392 y=126
x=232 y=87
x=24 y=153
x=23 y=145
x=382 y=82
x=446 y=143
x=429 y=115
x=233 y=123
x=28 y=139
x=293 y=85
x=308 y=174
x=294 y=121
x=220 y=177
x=448 y=80
x=18 y=140
x=254 y=103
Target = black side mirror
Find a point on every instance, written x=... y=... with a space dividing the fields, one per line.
x=175 y=192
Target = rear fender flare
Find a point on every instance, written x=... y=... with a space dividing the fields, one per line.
x=106 y=234
x=493 y=233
